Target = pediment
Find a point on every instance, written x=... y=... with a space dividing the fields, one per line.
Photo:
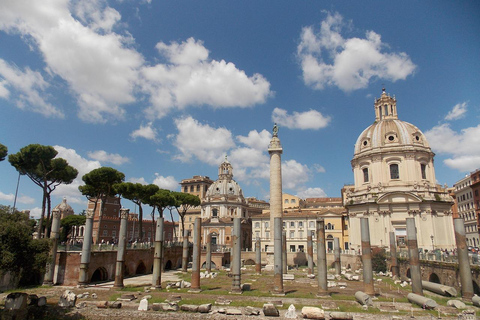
x=399 y=197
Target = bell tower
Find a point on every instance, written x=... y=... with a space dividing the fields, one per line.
x=225 y=170
x=385 y=107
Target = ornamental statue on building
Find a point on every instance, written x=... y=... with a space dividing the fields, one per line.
x=394 y=180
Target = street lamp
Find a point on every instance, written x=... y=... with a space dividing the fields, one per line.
x=433 y=247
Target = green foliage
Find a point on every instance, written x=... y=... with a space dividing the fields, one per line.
x=19 y=252
x=184 y=202
x=38 y=162
x=162 y=199
x=3 y=152
x=379 y=260
x=68 y=222
x=99 y=182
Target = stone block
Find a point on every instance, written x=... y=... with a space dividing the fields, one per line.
x=291 y=312
x=251 y=311
x=143 y=306
x=67 y=299
x=233 y=312
x=189 y=307
x=269 y=310
x=288 y=276
x=16 y=301
x=115 y=305
x=102 y=304
x=205 y=308
x=313 y=313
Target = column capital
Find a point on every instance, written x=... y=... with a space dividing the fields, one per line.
x=124 y=213
x=90 y=213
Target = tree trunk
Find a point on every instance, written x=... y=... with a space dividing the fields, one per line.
x=42 y=217
x=174 y=230
x=48 y=225
x=153 y=225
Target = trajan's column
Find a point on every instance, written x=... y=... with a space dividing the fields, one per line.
x=275 y=150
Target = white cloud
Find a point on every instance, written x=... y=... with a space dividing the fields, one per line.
x=147 y=132
x=457 y=112
x=29 y=89
x=202 y=141
x=140 y=180
x=328 y=59
x=83 y=166
x=190 y=78
x=103 y=156
x=319 y=168
x=294 y=174
x=168 y=183
x=311 y=119
x=99 y=67
x=312 y=193
x=444 y=140
x=20 y=199
x=35 y=213
x=256 y=140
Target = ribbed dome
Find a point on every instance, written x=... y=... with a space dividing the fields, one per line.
x=225 y=187
x=390 y=133
x=64 y=208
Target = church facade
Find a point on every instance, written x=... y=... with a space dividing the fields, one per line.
x=395 y=179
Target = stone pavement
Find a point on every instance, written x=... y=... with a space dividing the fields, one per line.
x=143 y=280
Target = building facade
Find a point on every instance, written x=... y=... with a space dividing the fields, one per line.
x=475 y=177
x=466 y=209
x=394 y=180
x=299 y=223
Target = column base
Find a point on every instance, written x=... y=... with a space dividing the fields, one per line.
x=195 y=290
x=50 y=283
x=278 y=294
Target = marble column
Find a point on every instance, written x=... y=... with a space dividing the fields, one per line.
x=336 y=251
x=310 y=252
x=237 y=256
x=83 y=277
x=414 y=259
x=208 y=261
x=122 y=243
x=157 y=258
x=185 y=251
x=321 y=259
x=393 y=255
x=276 y=210
x=50 y=267
x=258 y=256
x=197 y=244
x=463 y=260
x=366 y=257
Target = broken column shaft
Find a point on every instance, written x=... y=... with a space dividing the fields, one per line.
x=393 y=255
x=366 y=257
x=50 y=267
x=321 y=259
x=463 y=261
x=197 y=242
x=415 y=272
x=83 y=278
x=157 y=257
x=310 y=252
x=122 y=242
x=258 y=256
x=277 y=253
x=208 y=258
x=185 y=251
x=336 y=250
x=237 y=255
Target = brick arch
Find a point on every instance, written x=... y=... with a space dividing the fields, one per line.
x=407 y=274
x=141 y=268
x=250 y=262
x=100 y=274
x=434 y=278
x=168 y=265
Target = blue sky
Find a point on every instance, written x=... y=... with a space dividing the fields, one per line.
x=163 y=90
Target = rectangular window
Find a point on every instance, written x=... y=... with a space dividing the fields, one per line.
x=300 y=235
x=266 y=225
x=292 y=224
x=300 y=224
x=257 y=224
x=394 y=174
x=114 y=233
x=365 y=174
x=292 y=248
x=286 y=200
x=257 y=235
x=292 y=234
x=292 y=201
x=267 y=235
x=311 y=225
x=105 y=233
x=301 y=248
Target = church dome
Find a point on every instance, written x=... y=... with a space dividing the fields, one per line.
x=225 y=185
x=389 y=132
x=64 y=208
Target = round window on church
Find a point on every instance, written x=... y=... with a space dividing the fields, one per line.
x=391 y=138
x=365 y=143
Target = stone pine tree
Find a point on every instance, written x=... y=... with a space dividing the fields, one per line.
x=138 y=194
x=184 y=202
x=159 y=201
x=39 y=163
x=98 y=187
x=3 y=152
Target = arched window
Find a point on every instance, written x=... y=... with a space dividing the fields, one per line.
x=365 y=174
x=257 y=224
x=394 y=174
x=423 y=168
